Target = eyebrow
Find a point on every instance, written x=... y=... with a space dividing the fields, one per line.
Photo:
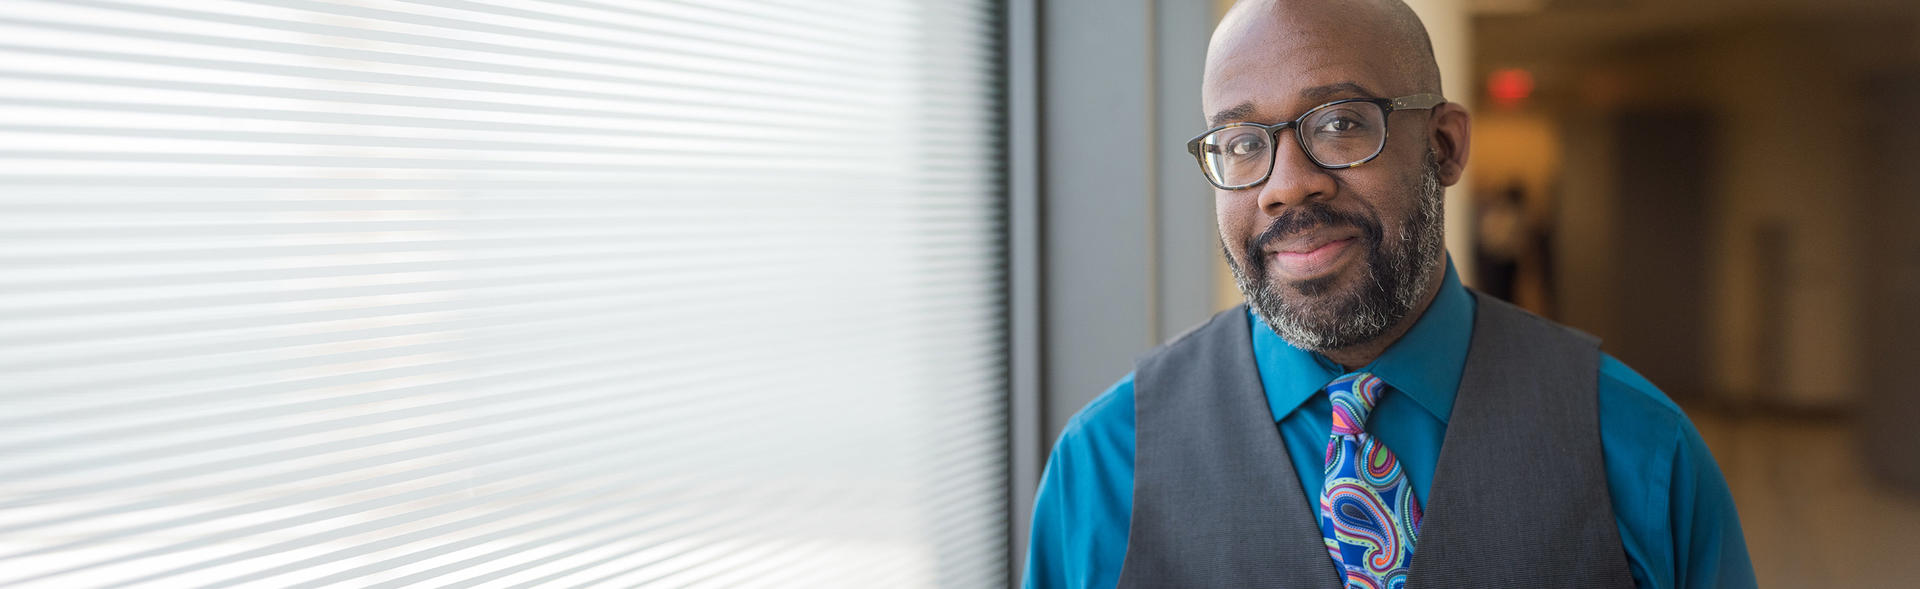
x=1316 y=94
x=1327 y=92
x=1236 y=113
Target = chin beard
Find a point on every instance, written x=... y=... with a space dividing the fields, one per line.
x=1317 y=314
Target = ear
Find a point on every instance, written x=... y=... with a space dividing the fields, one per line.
x=1452 y=134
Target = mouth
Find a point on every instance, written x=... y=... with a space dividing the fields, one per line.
x=1310 y=255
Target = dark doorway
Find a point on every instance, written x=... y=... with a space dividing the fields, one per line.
x=1891 y=317
x=1665 y=172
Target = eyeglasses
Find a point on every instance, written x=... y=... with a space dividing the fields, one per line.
x=1336 y=135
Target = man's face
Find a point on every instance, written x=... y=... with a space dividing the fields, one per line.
x=1329 y=258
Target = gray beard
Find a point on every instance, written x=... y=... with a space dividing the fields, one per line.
x=1319 y=319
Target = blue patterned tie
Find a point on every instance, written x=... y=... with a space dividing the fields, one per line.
x=1367 y=510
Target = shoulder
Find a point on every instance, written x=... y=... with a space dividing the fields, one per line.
x=1082 y=509
x=1625 y=393
x=1104 y=426
x=1225 y=329
x=1641 y=433
x=1676 y=514
x=1641 y=429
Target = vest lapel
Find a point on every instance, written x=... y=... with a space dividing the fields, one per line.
x=1216 y=502
x=1520 y=493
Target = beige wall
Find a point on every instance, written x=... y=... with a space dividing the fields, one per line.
x=1449 y=26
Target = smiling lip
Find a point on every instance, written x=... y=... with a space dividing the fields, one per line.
x=1310 y=255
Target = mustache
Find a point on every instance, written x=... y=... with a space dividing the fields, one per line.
x=1307 y=217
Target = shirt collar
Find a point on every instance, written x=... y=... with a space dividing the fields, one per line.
x=1425 y=363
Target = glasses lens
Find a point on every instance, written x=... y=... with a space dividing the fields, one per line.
x=1236 y=156
x=1345 y=133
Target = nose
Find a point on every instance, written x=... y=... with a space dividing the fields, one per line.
x=1295 y=178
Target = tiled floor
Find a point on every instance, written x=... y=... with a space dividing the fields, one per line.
x=1813 y=517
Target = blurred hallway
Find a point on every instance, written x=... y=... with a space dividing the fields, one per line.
x=1722 y=192
x=1813 y=514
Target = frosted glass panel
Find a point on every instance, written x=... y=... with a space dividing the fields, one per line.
x=501 y=294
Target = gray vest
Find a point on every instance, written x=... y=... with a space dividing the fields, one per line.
x=1519 y=497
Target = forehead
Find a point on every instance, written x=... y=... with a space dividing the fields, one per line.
x=1273 y=66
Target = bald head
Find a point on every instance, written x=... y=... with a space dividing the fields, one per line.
x=1315 y=41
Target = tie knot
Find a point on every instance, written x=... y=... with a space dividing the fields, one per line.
x=1353 y=396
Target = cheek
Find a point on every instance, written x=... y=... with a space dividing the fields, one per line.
x=1232 y=221
x=1408 y=144
x=1391 y=203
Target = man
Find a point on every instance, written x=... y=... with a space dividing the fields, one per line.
x=1365 y=420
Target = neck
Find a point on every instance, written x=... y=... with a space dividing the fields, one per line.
x=1355 y=356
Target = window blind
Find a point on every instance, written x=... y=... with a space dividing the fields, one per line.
x=451 y=293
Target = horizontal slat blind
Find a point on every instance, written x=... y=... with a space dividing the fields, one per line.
x=500 y=294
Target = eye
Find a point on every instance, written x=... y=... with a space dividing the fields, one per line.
x=1340 y=124
x=1246 y=145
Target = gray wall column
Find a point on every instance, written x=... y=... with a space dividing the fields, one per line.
x=1097 y=129
x=1128 y=233
x=1113 y=246
x=1188 y=237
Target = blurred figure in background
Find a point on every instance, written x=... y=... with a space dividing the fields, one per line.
x=1502 y=236
x=1513 y=251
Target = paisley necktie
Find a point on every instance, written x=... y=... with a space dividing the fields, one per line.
x=1367 y=510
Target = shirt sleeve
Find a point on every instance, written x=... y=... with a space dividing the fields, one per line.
x=1046 y=543
x=1709 y=549
x=1085 y=499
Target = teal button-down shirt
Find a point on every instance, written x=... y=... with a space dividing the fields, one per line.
x=1676 y=516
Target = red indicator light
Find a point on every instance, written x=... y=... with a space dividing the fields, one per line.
x=1510 y=86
